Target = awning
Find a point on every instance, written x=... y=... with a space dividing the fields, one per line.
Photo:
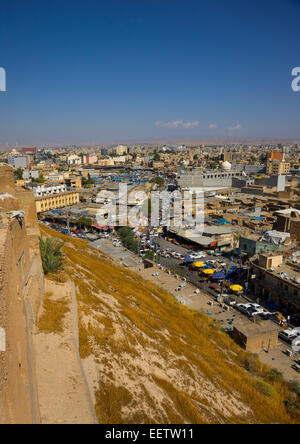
x=100 y=227
x=218 y=275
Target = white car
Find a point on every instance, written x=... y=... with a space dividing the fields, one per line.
x=289 y=335
x=229 y=300
x=258 y=308
x=243 y=308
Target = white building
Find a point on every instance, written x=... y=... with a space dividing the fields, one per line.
x=121 y=149
x=73 y=159
x=46 y=190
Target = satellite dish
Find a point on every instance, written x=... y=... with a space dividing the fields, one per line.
x=296 y=344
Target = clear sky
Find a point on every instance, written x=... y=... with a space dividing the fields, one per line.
x=120 y=70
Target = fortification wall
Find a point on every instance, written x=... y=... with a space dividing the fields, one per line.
x=21 y=291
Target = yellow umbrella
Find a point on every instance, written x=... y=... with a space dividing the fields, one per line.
x=199 y=264
x=208 y=271
x=236 y=288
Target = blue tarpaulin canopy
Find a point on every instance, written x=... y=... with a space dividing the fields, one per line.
x=218 y=275
x=222 y=221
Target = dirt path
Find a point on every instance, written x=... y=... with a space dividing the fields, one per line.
x=63 y=392
x=35 y=411
x=76 y=341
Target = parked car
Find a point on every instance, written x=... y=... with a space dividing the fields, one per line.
x=258 y=308
x=296 y=367
x=229 y=300
x=243 y=308
x=289 y=335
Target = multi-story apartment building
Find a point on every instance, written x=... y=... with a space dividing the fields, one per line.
x=277 y=281
x=74 y=182
x=274 y=155
x=18 y=161
x=56 y=201
x=73 y=160
x=89 y=159
x=120 y=150
x=275 y=167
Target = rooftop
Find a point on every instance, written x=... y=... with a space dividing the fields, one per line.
x=255 y=329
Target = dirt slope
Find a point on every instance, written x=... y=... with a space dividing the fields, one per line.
x=147 y=358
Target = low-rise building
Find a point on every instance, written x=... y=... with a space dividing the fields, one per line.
x=74 y=182
x=271 y=241
x=288 y=221
x=256 y=337
x=49 y=189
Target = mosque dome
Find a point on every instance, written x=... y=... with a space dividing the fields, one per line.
x=226 y=166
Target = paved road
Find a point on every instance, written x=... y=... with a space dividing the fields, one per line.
x=164 y=244
x=182 y=270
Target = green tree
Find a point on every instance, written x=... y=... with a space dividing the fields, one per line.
x=18 y=174
x=149 y=255
x=127 y=238
x=84 y=222
x=40 y=179
x=51 y=254
x=88 y=181
x=158 y=181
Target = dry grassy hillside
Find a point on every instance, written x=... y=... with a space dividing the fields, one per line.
x=156 y=361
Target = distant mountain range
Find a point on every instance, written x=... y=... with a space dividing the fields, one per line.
x=179 y=141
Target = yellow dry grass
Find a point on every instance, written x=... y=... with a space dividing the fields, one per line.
x=52 y=317
x=182 y=339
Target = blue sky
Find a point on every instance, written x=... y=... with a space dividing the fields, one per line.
x=98 y=71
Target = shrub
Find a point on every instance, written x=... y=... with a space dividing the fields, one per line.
x=51 y=254
x=265 y=389
x=274 y=375
x=252 y=364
